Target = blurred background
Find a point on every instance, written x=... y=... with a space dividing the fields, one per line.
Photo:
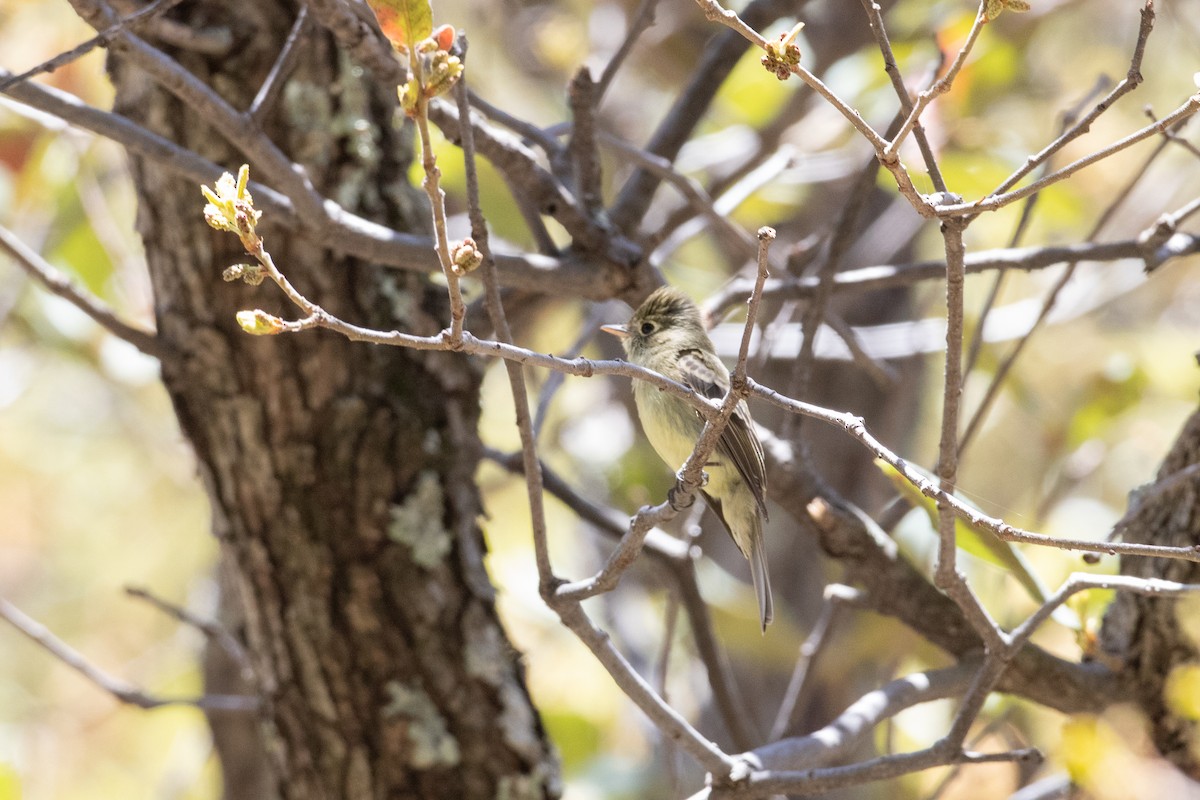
x=99 y=492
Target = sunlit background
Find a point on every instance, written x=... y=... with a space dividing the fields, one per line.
x=99 y=491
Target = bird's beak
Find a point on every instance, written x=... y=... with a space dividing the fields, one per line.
x=616 y=330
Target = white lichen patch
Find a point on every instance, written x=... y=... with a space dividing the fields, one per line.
x=418 y=522
x=486 y=649
x=517 y=722
x=432 y=743
x=529 y=787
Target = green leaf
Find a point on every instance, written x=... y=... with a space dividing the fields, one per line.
x=405 y=22
x=978 y=541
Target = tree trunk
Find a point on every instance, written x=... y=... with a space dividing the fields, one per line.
x=1144 y=637
x=340 y=474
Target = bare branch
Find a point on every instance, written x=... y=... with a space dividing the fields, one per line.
x=686 y=113
x=1082 y=582
x=875 y=278
x=122 y=691
x=995 y=201
x=583 y=94
x=210 y=629
x=875 y=18
x=668 y=720
x=939 y=88
x=59 y=284
x=678 y=558
x=102 y=39
x=946 y=575
x=856 y=723
x=672 y=725
x=1132 y=80
x=855 y=427
x=837 y=597
x=643 y=18
x=268 y=92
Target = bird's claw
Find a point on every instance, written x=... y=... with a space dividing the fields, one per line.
x=679 y=499
x=673 y=495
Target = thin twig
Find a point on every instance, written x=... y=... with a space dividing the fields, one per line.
x=946 y=575
x=102 y=39
x=996 y=201
x=214 y=632
x=288 y=56
x=679 y=559
x=887 y=158
x=437 y=201
x=531 y=465
x=939 y=88
x=875 y=19
x=874 y=278
x=119 y=689
x=1082 y=582
x=1148 y=251
x=837 y=597
x=643 y=18
x=59 y=284
x=667 y=719
x=1133 y=78
x=854 y=426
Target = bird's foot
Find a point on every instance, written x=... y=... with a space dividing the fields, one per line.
x=679 y=499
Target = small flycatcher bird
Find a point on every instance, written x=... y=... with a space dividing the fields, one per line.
x=666 y=335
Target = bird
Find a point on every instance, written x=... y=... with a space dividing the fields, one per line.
x=666 y=334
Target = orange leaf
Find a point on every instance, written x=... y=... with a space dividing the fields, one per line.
x=404 y=22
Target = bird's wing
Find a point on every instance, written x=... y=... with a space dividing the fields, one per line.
x=738 y=443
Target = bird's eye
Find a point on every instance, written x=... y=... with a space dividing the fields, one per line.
x=647 y=328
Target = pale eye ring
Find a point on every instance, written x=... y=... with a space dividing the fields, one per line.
x=647 y=328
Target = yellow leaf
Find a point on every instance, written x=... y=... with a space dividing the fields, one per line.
x=10 y=783
x=1183 y=691
x=1087 y=742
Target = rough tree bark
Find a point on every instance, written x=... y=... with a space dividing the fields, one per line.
x=1145 y=638
x=340 y=475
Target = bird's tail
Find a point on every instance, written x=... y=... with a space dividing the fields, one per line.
x=760 y=575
